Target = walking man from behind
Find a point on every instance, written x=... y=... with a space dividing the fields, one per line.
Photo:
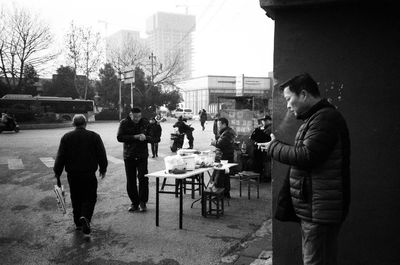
x=81 y=153
x=134 y=132
x=319 y=173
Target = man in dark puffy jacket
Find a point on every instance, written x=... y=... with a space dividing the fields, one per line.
x=225 y=147
x=81 y=153
x=134 y=132
x=319 y=175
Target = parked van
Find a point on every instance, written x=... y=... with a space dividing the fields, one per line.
x=184 y=112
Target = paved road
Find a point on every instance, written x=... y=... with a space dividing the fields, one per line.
x=33 y=231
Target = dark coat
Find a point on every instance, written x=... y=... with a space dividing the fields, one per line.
x=320 y=165
x=81 y=152
x=215 y=128
x=261 y=135
x=134 y=148
x=203 y=116
x=183 y=127
x=155 y=132
x=226 y=143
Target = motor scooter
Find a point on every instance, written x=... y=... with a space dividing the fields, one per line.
x=177 y=139
x=10 y=125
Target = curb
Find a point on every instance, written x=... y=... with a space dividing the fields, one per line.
x=36 y=126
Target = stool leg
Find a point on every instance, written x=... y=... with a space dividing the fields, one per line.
x=222 y=206
x=240 y=185
x=217 y=199
x=248 y=189
x=258 y=187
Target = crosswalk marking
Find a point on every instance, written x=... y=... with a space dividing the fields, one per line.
x=15 y=164
x=115 y=160
x=48 y=161
x=4 y=159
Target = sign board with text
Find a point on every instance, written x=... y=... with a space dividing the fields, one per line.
x=242 y=121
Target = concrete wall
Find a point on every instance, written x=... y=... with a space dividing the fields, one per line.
x=353 y=52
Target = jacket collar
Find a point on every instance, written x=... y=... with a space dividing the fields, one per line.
x=323 y=103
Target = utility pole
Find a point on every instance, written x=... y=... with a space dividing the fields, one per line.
x=119 y=99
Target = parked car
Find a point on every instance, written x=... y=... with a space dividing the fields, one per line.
x=185 y=113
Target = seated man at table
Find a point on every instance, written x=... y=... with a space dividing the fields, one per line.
x=225 y=146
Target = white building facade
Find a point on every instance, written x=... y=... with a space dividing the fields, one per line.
x=203 y=92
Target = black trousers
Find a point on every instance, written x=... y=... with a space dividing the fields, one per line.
x=154 y=149
x=262 y=164
x=135 y=169
x=83 y=189
x=189 y=136
x=202 y=124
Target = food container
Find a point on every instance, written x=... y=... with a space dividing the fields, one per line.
x=174 y=162
x=190 y=162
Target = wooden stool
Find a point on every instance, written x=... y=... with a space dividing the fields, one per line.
x=193 y=182
x=212 y=197
x=250 y=177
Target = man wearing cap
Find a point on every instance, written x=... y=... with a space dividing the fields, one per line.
x=81 y=153
x=319 y=173
x=261 y=134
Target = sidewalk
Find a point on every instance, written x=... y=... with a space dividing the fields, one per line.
x=254 y=250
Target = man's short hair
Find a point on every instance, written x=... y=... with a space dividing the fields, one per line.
x=224 y=121
x=301 y=82
x=136 y=110
x=79 y=120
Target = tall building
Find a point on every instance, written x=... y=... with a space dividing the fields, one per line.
x=120 y=38
x=171 y=34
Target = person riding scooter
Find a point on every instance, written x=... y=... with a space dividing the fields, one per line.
x=8 y=123
x=184 y=128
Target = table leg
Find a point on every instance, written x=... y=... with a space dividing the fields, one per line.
x=157 y=200
x=180 y=203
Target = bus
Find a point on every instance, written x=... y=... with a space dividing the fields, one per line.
x=29 y=108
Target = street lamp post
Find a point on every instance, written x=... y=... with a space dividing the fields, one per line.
x=119 y=95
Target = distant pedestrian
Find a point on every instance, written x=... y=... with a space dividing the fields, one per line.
x=215 y=126
x=155 y=134
x=134 y=132
x=203 y=118
x=318 y=187
x=81 y=153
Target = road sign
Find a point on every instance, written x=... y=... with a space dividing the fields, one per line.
x=129 y=77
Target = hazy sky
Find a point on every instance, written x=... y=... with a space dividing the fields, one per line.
x=232 y=36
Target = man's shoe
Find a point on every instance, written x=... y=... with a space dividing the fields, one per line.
x=153 y=156
x=85 y=225
x=133 y=208
x=142 y=207
x=78 y=228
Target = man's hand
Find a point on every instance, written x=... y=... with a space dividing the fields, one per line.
x=58 y=181
x=213 y=142
x=142 y=137
x=102 y=175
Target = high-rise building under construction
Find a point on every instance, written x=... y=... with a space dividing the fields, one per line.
x=170 y=38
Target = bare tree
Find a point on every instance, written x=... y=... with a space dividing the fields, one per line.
x=84 y=53
x=24 y=39
x=167 y=73
x=127 y=54
x=74 y=51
